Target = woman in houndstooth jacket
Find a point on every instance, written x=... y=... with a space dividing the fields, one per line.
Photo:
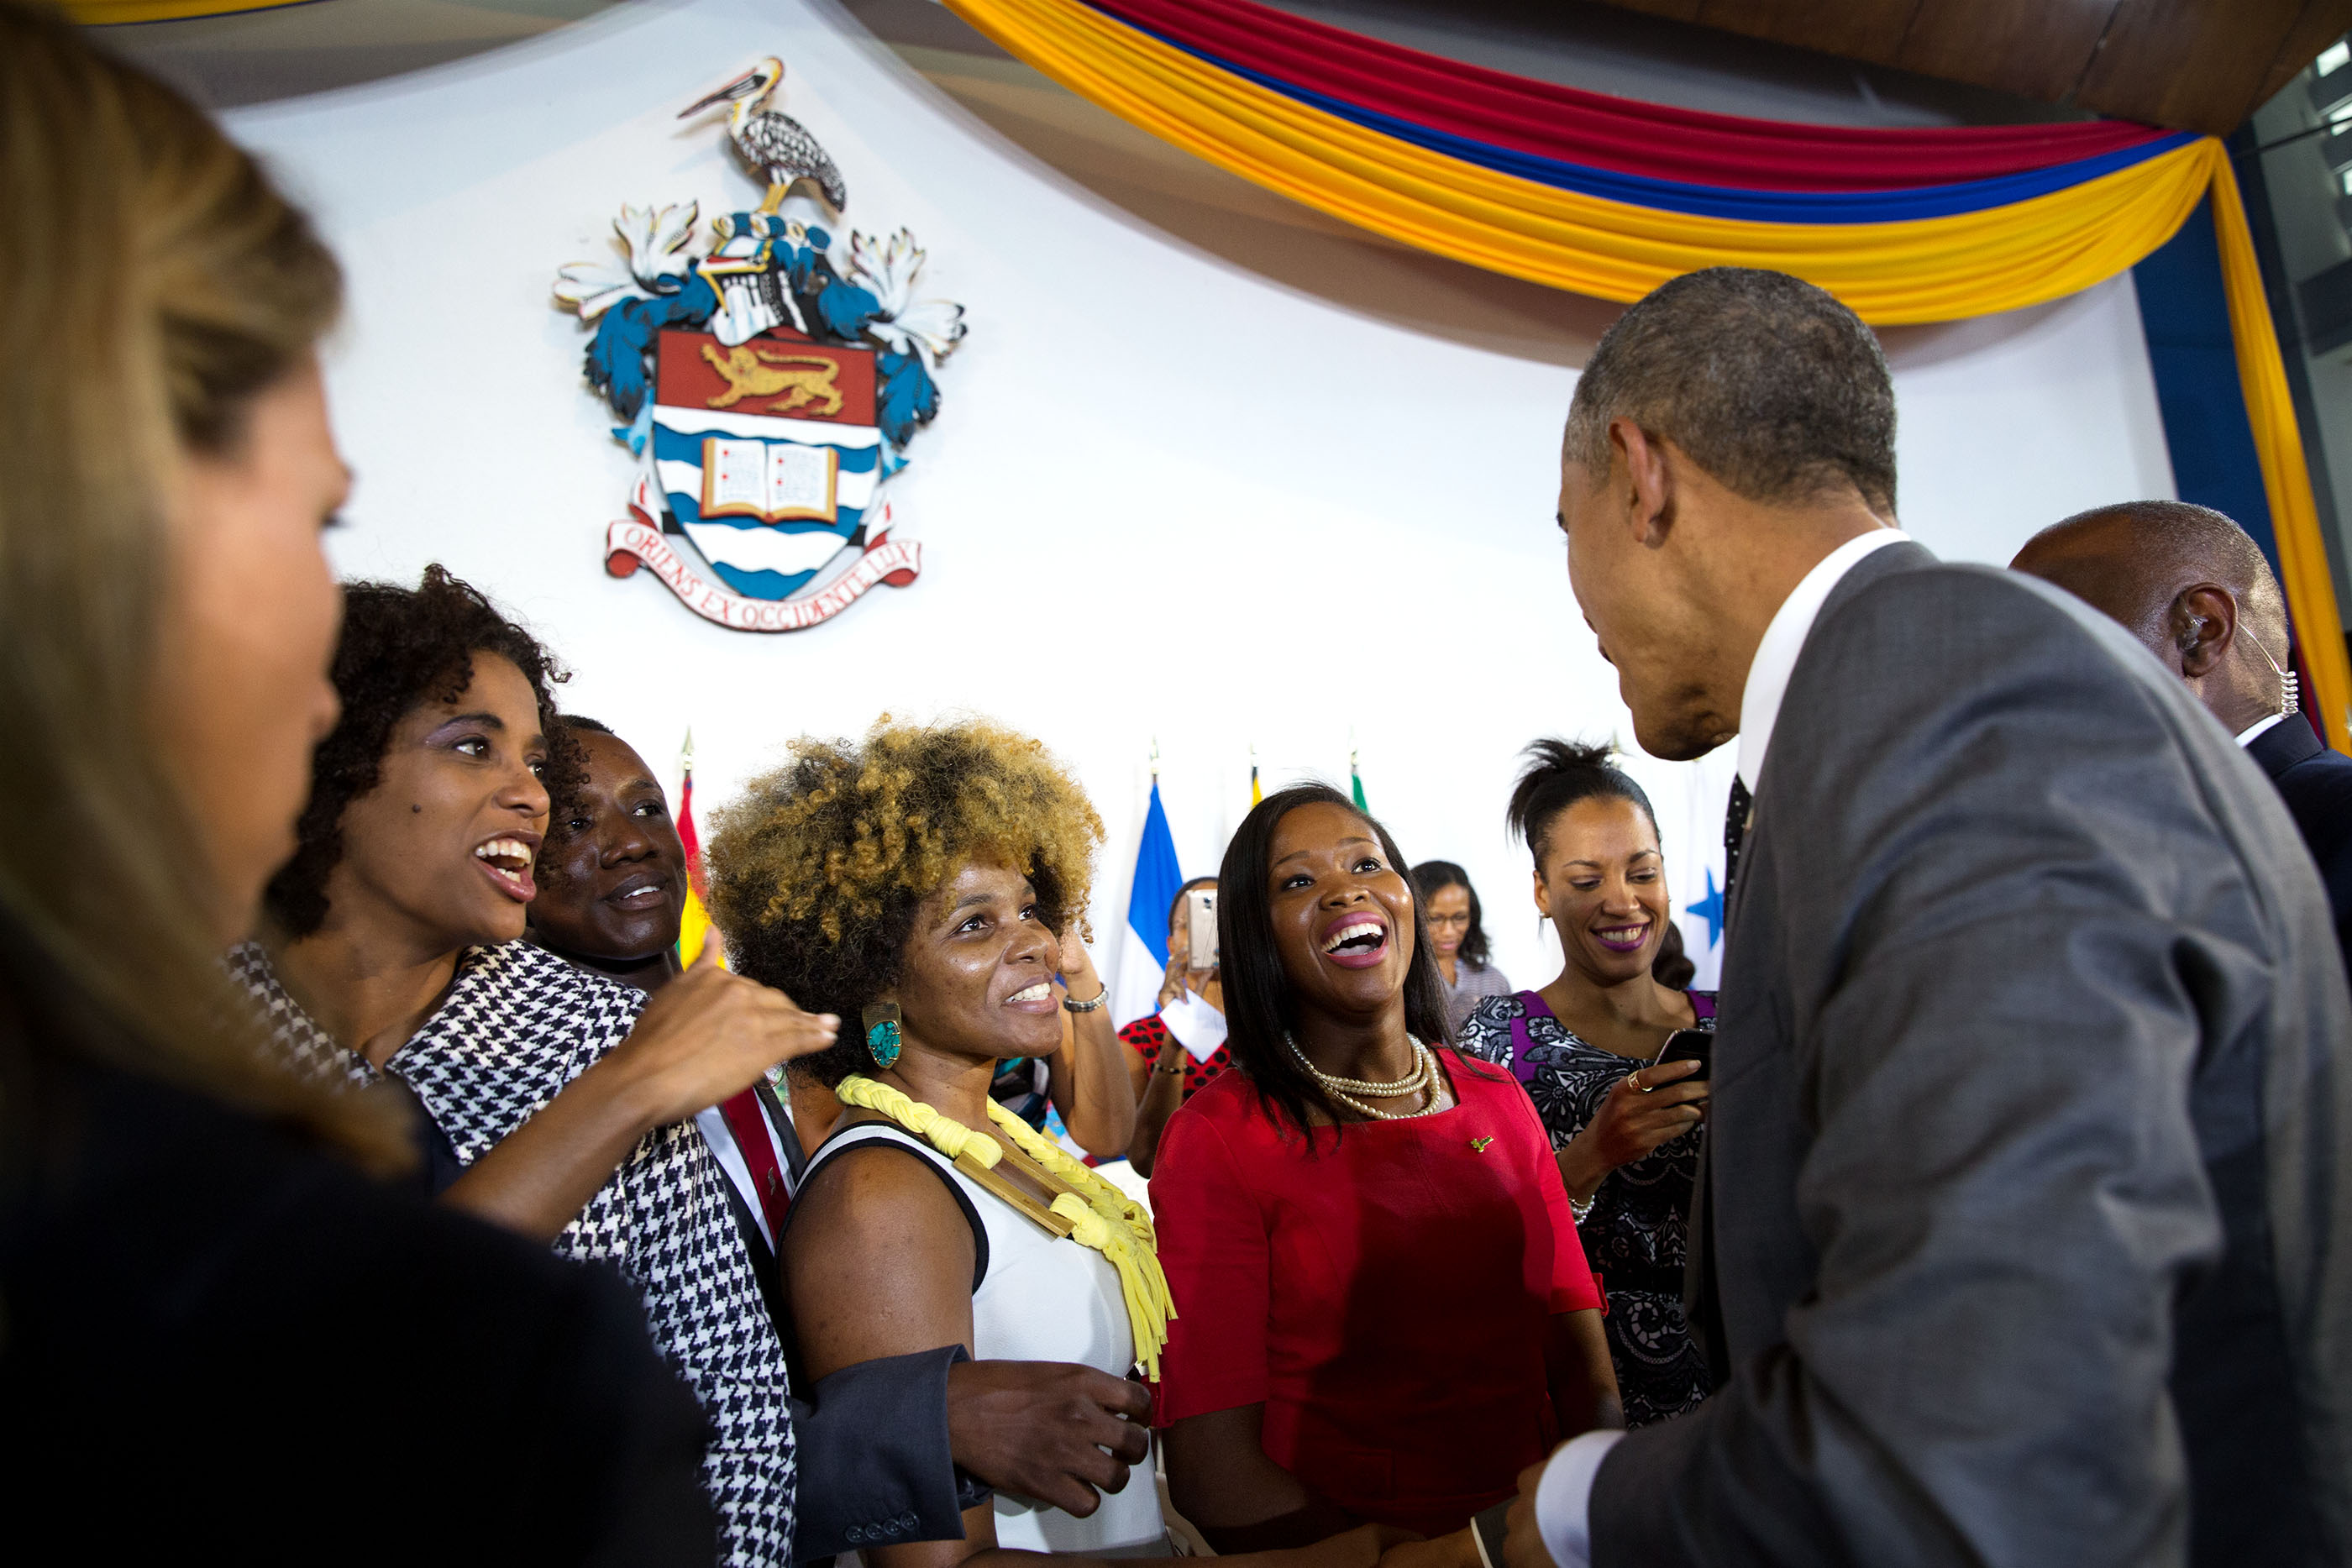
x=553 y=1102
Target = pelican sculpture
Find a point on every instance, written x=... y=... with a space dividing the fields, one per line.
x=777 y=146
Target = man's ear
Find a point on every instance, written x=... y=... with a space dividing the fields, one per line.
x=2203 y=621
x=1648 y=478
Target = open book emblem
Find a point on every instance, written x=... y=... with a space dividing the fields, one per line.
x=768 y=371
x=774 y=481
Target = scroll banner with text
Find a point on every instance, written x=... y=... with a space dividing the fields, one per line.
x=1608 y=197
x=633 y=540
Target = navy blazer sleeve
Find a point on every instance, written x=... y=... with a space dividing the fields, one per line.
x=875 y=1468
x=2317 y=785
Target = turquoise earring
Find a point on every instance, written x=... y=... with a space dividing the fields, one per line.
x=882 y=1041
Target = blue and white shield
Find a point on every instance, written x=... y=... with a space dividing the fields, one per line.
x=765 y=454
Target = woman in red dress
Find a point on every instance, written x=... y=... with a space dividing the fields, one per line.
x=1383 y=1313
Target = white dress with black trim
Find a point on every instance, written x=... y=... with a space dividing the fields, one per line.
x=1034 y=1298
x=519 y=1024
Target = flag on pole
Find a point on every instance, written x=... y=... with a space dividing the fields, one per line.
x=1143 y=946
x=1356 y=784
x=1256 y=794
x=694 y=925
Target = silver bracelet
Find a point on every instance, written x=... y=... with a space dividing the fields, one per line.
x=1087 y=1007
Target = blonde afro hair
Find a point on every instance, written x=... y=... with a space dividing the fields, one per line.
x=817 y=870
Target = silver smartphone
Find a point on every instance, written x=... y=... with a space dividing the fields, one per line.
x=1201 y=928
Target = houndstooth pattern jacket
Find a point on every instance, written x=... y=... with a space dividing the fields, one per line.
x=520 y=1024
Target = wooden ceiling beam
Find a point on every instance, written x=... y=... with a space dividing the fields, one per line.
x=2195 y=65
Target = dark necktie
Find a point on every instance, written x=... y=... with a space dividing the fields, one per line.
x=1735 y=834
x=1704 y=1301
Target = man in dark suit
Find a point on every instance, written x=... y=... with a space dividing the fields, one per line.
x=2192 y=585
x=2023 y=1236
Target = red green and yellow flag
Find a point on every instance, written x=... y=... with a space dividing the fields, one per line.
x=694 y=927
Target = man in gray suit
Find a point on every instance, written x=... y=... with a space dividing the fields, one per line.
x=2023 y=1236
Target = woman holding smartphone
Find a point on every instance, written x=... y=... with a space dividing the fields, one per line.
x=1165 y=1048
x=1622 y=1104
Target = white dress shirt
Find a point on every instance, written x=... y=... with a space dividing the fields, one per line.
x=1784 y=639
x=1563 y=1497
x=2248 y=736
x=731 y=1158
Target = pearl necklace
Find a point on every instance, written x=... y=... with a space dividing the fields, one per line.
x=1422 y=1077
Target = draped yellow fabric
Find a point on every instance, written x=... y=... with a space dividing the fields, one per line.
x=2286 y=480
x=104 y=13
x=1923 y=269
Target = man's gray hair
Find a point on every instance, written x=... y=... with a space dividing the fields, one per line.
x=1768 y=383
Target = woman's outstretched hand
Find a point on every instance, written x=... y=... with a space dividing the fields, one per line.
x=1523 y=1545
x=1172 y=982
x=709 y=1034
x=702 y=1038
x=1366 y=1546
x=1455 y=1551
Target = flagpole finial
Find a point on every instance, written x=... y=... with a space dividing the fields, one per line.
x=686 y=752
x=1155 y=760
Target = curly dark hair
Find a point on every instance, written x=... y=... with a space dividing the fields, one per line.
x=817 y=872
x=402 y=647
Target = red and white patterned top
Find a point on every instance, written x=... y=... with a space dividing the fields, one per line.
x=1146 y=1035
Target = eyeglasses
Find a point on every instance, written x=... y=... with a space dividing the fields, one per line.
x=1463 y=919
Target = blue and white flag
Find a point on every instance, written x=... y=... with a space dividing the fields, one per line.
x=1143 y=946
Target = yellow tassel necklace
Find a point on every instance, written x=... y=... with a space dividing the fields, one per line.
x=1086 y=1208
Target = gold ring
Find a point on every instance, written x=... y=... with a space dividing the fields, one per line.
x=1635 y=1080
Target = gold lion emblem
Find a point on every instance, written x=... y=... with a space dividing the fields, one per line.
x=804 y=379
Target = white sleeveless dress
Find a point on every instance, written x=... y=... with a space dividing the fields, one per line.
x=1040 y=1299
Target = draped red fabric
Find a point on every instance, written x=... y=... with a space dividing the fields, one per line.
x=1601 y=132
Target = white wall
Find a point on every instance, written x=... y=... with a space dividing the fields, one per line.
x=1164 y=498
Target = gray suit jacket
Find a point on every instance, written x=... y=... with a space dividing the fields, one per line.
x=2029 y=1186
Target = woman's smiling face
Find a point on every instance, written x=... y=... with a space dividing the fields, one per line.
x=1603 y=884
x=1342 y=914
x=978 y=974
x=444 y=843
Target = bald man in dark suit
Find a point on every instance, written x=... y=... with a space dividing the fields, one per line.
x=2190 y=584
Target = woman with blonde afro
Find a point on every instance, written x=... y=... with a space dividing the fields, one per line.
x=927 y=884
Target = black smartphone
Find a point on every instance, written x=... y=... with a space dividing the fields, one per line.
x=1687 y=1045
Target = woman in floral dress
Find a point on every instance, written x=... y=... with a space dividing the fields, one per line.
x=1625 y=1125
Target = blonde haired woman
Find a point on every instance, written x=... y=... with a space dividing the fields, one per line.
x=217 y=1333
